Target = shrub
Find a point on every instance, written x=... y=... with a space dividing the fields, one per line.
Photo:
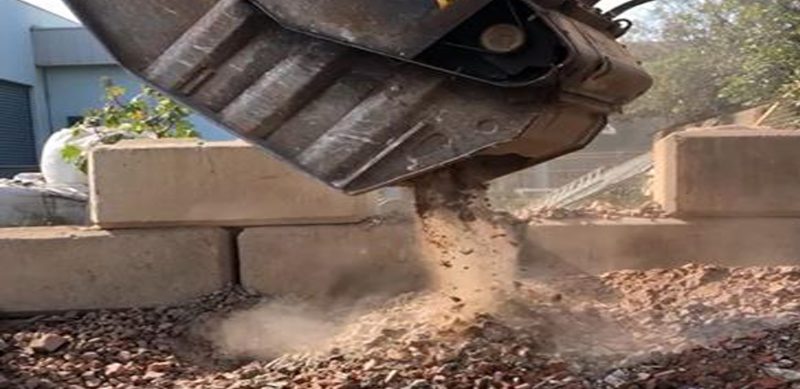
x=148 y=114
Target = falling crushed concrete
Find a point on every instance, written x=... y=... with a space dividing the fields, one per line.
x=471 y=254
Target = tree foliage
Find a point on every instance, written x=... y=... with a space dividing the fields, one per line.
x=713 y=56
x=149 y=114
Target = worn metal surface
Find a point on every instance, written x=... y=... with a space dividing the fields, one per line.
x=395 y=28
x=358 y=120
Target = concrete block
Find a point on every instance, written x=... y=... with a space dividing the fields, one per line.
x=71 y=268
x=601 y=246
x=331 y=261
x=728 y=171
x=180 y=183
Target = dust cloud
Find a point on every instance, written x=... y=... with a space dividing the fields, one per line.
x=470 y=254
x=276 y=328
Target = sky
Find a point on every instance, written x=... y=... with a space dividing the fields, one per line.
x=55 y=6
x=58 y=7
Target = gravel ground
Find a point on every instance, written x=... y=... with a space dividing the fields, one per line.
x=692 y=327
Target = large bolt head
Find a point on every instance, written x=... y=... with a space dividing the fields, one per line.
x=503 y=38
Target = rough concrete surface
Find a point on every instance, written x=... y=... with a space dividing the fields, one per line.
x=597 y=246
x=179 y=183
x=332 y=261
x=68 y=268
x=728 y=171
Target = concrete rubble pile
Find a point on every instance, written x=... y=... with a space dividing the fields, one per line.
x=708 y=326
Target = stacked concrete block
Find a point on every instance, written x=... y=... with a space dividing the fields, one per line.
x=733 y=193
x=598 y=246
x=190 y=183
x=300 y=237
x=729 y=171
x=332 y=261
x=165 y=207
x=71 y=268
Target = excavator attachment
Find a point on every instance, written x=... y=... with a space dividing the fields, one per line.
x=363 y=93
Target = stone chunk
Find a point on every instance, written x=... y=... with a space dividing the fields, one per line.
x=48 y=343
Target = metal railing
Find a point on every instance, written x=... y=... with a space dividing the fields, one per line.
x=596 y=181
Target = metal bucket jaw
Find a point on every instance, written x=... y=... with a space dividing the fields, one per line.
x=380 y=92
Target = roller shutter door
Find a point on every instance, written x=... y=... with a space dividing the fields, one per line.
x=17 y=145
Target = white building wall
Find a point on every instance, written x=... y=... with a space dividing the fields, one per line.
x=16 y=55
x=68 y=46
x=16 y=47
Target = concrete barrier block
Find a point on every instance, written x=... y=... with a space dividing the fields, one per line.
x=331 y=261
x=71 y=268
x=601 y=246
x=728 y=171
x=189 y=183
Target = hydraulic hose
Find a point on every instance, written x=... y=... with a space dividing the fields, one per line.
x=625 y=7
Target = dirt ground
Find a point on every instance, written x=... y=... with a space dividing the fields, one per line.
x=692 y=327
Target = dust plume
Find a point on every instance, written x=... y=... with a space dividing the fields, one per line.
x=470 y=255
x=274 y=329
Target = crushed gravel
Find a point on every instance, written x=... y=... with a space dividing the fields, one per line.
x=691 y=327
x=594 y=210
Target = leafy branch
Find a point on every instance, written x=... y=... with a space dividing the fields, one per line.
x=149 y=114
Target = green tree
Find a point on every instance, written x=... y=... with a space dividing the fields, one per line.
x=717 y=55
